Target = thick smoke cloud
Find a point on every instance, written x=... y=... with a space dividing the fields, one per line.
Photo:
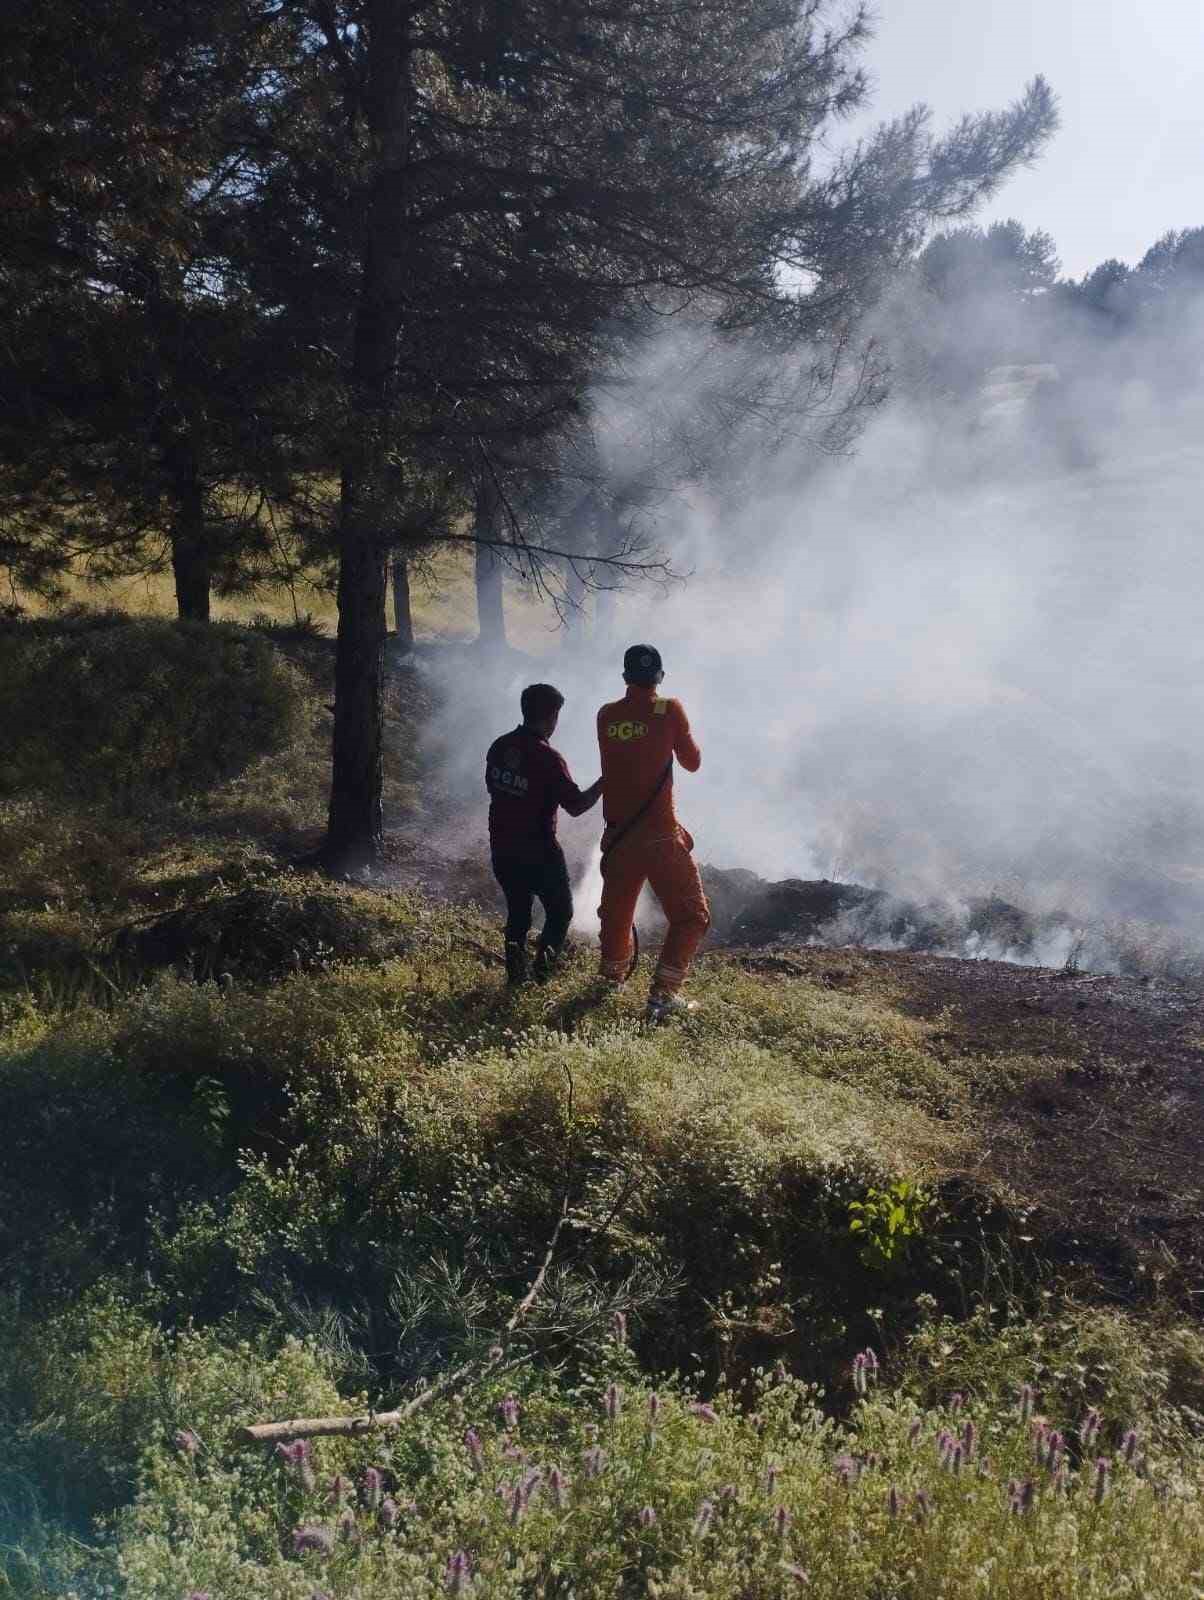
x=966 y=658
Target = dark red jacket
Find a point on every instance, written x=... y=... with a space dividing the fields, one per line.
x=527 y=781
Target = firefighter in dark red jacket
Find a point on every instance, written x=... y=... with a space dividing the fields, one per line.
x=528 y=782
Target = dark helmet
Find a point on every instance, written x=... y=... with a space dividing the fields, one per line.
x=642 y=664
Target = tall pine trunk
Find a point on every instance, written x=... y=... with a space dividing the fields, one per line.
x=191 y=554
x=355 y=830
x=491 y=615
x=403 y=612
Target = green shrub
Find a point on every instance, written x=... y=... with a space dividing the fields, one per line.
x=133 y=713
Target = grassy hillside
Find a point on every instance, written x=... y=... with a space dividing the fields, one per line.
x=278 y=1147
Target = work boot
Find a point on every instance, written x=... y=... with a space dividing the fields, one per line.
x=546 y=961
x=664 y=1008
x=516 y=963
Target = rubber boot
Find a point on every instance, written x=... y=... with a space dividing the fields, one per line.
x=545 y=963
x=516 y=963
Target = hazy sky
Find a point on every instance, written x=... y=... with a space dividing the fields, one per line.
x=1128 y=162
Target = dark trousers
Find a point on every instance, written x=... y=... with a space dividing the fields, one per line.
x=535 y=874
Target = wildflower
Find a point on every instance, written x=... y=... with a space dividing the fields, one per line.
x=530 y=1482
x=371 y=1487
x=955 y=1402
x=969 y=1439
x=1040 y=1435
x=299 y=1456
x=495 y=1354
x=1128 y=1445
x=594 y=1460
x=923 y=1505
x=390 y=1511
x=1055 y=1446
x=347 y=1525
x=914 y=1432
x=509 y=1410
x=793 y=1570
x=618 y=1327
x=871 y=1363
x=309 y=1536
x=984 y=1467
x=846 y=1470
x=517 y=1505
x=944 y=1446
x=779 y=1372
x=187 y=1443
x=1089 y=1428
x=559 y=1487
x=1102 y=1469
x=781 y=1521
x=893 y=1502
x=340 y=1488
x=476 y=1449
x=729 y=1492
x=1028 y=1491
x=1026 y=1401
x=771 y=1476
x=654 y=1406
x=956 y=1457
x=459 y=1572
x=705 y=1413
x=860 y=1381
x=647 y=1517
x=1061 y=1480
x=702 y=1518
x=512 y=1453
x=613 y=1402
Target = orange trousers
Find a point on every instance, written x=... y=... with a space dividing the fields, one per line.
x=667 y=865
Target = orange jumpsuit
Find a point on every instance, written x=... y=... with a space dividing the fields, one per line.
x=639 y=736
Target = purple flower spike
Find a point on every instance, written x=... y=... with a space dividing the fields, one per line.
x=531 y=1482
x=1061 y=1480
x=1103 y=1468
x=509 y=1410
x=618 y=1327
x=893 y=1502
x=702 y=1518
x=309 y=1536
x=915 y=1430
x=923 y=1505
x=969 y=1440
x=559 y=1488
x=956 y=1457
x=594 y=1461
x=705 y=1413
x=1128 y=1445
x=515 y=1503
x=187 y=1443
x=860 y=1381
x=1028 y=1492
x=871 y=1363
x=781 y=1521
x=459 y=1573
x=390 y=1511
x=647 y=1517
x=847 y=1470
x=1055 y=1446
x=476 y=1449
x=654 y=1406
x=347 y=1525
x=613 y=1402
x=1026 y=1401
x=771 y=1476
x=340 y=1488
x=1089 y=1428
x=944 y=1446
x=955 y=1402
x=371 y=1487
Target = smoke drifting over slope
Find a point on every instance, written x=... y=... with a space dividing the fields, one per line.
x=968 y=658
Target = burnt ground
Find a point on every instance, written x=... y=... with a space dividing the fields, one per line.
x=1107 y=1146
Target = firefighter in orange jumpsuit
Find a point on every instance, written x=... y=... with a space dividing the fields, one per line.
x=639 y=737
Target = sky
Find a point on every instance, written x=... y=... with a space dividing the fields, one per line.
x=1129 y=76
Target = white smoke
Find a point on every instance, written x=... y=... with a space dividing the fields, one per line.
x=968 y=657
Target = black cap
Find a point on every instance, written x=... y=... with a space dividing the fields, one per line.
x=642 y=664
